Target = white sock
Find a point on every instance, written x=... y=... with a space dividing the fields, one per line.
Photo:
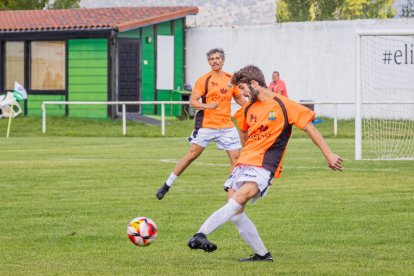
x=171 y=179
x=219 y=217
x=249 y=233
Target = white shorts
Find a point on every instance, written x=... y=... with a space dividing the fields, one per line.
x=225 y=138
x=244 y=173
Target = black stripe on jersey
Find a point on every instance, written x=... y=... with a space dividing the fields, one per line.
x=274 y=153
x=228 y=75
x=247 y=110
x=200 y=114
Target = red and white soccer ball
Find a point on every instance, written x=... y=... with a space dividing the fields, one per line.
x=142 y=231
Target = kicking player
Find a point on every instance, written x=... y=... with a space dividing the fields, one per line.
x=265 y=125
x=212 y=121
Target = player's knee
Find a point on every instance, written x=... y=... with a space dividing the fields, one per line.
x=241 y=198
x=192 y=156
x=246 y=192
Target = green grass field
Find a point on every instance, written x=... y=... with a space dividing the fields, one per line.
x=66 y=199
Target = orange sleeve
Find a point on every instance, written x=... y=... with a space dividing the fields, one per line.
x=298 y=114
x=200 y=87
x=241 y=118
x=236 y=90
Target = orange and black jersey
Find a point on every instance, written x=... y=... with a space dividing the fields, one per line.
x=218 y=89
x=269 y=126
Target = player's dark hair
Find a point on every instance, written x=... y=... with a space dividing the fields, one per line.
x=247 y=74
x=216 y=50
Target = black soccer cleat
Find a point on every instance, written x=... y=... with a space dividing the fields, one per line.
x=200 y=241
x=162 y=191
x=257 y=258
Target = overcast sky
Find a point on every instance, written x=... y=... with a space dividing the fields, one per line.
x=398 y=4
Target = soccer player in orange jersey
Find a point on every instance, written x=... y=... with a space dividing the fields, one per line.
x=211 y=96
x=265 y=125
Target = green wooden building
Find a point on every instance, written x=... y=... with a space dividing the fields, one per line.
x=104 y=54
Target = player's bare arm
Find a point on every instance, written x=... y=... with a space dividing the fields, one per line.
x=196 y=104
x=334 y=161
x=243 y=136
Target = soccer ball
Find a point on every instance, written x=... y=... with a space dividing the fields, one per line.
x=142 y=231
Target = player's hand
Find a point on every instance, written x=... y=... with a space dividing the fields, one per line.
x=212 y=105
x=334 y=162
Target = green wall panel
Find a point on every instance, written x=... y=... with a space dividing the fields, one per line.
x=164 y=28
x=82 y=55
x=129 y=34
x=88 y=76
x=148 y=79
x=88 y=97
x=148 y=69
x=88 y=88
x=88 y=111
x=75 y=71
x=88 y=63
x=85 y=79
x=91 y=44
x=34 y=105
x=166 y=95
x=146 y=92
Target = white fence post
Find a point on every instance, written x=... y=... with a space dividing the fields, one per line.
x=336 y=120
x=162 y=119
x=123 y=119
x=43 y=118
x=358 y=105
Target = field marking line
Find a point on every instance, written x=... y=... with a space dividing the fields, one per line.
x=174 y=161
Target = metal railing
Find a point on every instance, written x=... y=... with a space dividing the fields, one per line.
x=121 y=103
x=163 y=103
x=335 y=104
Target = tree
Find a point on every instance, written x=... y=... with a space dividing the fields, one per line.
x=408 y=9
x=38 y=4
x=65 y=4
x=363 y=9
x=282 y=12
x=325 y=9
x=310 y=10
x=296 y=10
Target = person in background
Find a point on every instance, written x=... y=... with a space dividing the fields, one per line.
x=211 y=96
x=277 y=85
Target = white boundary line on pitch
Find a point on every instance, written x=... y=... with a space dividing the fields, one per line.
x=174 y=161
